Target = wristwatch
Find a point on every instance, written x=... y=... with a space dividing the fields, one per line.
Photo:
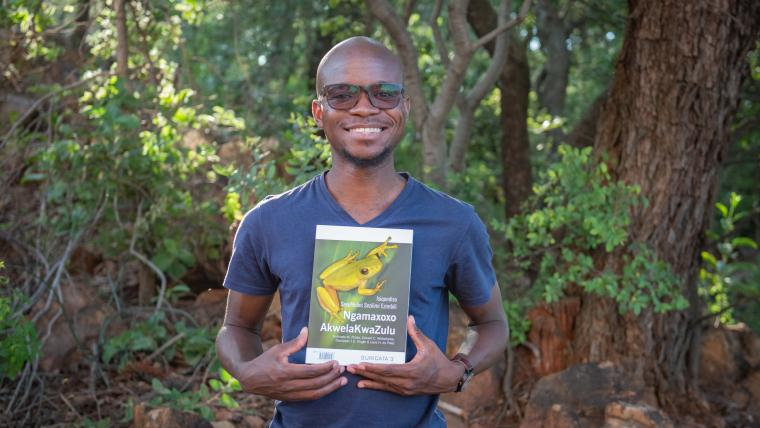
x=468 y=371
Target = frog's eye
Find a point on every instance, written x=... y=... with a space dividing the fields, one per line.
x=364 y=271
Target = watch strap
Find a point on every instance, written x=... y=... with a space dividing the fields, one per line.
x=468 y=370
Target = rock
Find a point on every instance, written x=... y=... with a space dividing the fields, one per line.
x=752 y=385
x=224 y=415
x=209 y=306
x=579 y=396
x=164 y=417
x=193 y=139
x=87 y=313
x=222 y=424
x=484 y=390
x=251 y=421
x=626 y=415
x=84 y=259
x=717 y=360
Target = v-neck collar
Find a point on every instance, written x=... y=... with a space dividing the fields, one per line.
x=335 y=206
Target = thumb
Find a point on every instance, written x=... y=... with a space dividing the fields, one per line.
x=292 y=346
x=418 y=338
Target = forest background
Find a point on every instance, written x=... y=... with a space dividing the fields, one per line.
x=612 y=148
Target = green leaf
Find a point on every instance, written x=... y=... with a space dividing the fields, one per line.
x=159 y=387
x=215 y=384
x=709 y=258
x=722 y=208
x=224 y=375
x=743 y=241
x=228 y=401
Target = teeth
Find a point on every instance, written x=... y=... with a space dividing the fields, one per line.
x=365 y=130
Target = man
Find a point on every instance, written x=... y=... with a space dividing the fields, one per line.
x=362 y=110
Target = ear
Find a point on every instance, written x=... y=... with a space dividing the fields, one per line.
x=316 y=112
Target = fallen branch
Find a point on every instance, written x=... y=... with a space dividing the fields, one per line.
x=454 y=410
x=163 y=347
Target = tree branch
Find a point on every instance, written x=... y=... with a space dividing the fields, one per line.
x=383 y=11
x=122 y=47
x=487 y=80
x=504 y=27
x=437 y=38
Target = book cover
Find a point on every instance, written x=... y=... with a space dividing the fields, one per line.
x=359 y=295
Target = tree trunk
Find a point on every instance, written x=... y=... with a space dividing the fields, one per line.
x=122 y=47
x=517 y=179
x=514 y=83
x=665 y=127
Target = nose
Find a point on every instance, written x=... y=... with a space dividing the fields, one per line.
x=364 y=106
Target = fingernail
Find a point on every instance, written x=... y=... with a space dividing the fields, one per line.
x=360 y=385
x=303 y=330
x=343 y=381
x=342 y=369
x=413 y=320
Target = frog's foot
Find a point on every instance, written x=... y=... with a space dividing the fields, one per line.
x=380 y=249
x=371 y=291
x=328 y=300
x=350 y=257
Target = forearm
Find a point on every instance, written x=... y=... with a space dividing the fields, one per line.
x=485 y=343
x=236 y=345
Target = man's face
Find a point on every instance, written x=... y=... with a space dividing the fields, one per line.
x=364 y=135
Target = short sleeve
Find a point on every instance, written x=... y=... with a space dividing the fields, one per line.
x=248 y=271
x=471 y=276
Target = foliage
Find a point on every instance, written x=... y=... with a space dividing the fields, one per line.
x=725 y=280
x=576 y=210
x=192 y=344
x=308 y=155
x=198 y=401
x=18 y=342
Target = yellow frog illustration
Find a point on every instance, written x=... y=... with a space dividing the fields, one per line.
x=349 y=273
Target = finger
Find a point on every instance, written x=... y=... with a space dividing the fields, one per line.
x=385 y=378
x=292 y=346
x=317 y=382
x=415 y=334
x=307 y=371
x=314 y=394
x=390 y=370
x=370 y=384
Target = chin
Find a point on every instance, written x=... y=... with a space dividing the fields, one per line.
x=369 y=161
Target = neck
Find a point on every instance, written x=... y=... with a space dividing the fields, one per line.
x=364 y=192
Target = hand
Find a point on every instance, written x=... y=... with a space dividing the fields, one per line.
x=429 y=372
x=270 y=374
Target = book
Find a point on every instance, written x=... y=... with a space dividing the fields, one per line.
x=359 y=295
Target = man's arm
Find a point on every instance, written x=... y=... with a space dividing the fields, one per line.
x=430 y=371
x=238 y=346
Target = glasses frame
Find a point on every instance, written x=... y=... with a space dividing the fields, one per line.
x=367 y=90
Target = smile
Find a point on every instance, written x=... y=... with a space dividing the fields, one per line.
x=365 y=130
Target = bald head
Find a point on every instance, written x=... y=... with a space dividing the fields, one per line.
x=361 y=48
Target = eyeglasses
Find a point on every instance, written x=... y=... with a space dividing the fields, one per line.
x=344 y=96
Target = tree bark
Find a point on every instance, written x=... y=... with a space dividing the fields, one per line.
x=122 y=46
x=585 y=130
x=514 y=83
x=553 y=32
x=665 y=127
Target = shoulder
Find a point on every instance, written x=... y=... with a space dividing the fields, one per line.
x=278 y=206
x=440 y=204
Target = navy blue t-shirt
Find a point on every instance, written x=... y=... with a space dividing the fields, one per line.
x=274 y=249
